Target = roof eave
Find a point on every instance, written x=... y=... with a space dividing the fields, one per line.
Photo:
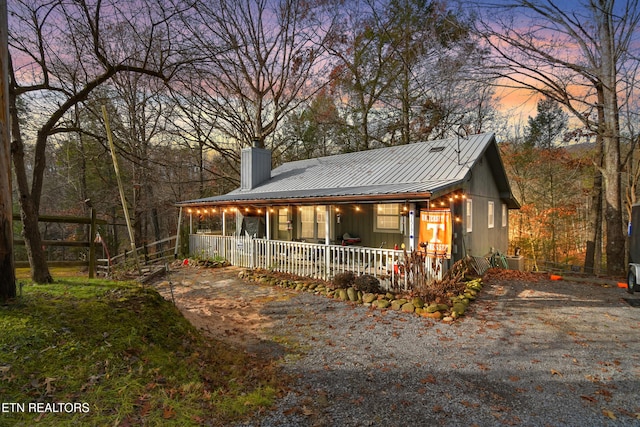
x=395 y=197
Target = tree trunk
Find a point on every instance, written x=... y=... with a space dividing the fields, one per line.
x=615 y=247
x=7 y=266
x=28 y=204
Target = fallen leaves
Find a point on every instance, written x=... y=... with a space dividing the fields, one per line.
x=609 y=414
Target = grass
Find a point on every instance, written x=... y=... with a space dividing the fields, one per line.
x=119 y=354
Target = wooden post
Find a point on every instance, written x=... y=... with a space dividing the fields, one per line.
x=121 y=189
x=178 y=231
x=7 y=265
x=92 y=247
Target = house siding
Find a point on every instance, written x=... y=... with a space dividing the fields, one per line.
x=481 y=189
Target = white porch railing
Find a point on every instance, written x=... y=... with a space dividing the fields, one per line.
x=308 y=259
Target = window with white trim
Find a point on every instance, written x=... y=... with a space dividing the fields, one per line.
x=283 y=219
x=321 y=219
x=312 y=222
x=469 y=215
x=504 y=215
x=491 y=214
x=307 y=222
x=387 y=217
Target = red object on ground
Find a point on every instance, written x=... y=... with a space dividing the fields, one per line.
x=555 y=277
x=185 y=262
x=622 y=285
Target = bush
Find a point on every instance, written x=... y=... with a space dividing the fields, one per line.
x=343 y=280
x=368 y=283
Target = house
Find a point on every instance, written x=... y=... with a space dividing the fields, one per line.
x=446 y=198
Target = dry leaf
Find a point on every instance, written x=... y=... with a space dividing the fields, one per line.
x=168 y=413
x=554 y=372
x=306 y=411
x=608 y=413
x=49 y=384
x=589 y=398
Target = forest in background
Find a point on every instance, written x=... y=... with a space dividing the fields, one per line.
x=186 y=86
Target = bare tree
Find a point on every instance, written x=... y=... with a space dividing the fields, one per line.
x=573 y=55
x=257 y=59
x=62 y=51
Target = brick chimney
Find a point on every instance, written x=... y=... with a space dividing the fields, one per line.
x=255 y=167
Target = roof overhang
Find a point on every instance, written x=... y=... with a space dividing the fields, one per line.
x=318 y=200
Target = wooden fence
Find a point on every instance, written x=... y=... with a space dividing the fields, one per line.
x=91 y=221
x=150 y=254
x=310 y=259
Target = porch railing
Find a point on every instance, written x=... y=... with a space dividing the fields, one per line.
x=309 y=259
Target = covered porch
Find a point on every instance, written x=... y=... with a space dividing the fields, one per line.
x=317 y=260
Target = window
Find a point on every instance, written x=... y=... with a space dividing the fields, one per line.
x=504 y=215
x=313 y=222
x=469 y=215
x=387 y=217
x=307 y=219
x=491 y=214
x=283 y=219
x=321 y=219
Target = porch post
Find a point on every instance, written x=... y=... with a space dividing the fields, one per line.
x=224 y=222
x=190 y=221
x=327 y=240
x=327 y=225
x=267 y=224
x=412 y=223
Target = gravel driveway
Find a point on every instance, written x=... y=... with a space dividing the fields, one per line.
x=545 y=353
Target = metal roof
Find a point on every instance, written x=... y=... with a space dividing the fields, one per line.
x=406 y=171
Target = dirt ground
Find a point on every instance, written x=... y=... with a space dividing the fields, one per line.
x=223 y=306
x=218 y=302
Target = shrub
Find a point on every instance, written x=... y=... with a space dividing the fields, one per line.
x=343 y=280
x=367 y=283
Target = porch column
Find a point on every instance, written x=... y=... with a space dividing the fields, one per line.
x=327 y=225
x=190 y=221
x=412 y=228
x=267 y=224
x=327 y=240
x=224 y=222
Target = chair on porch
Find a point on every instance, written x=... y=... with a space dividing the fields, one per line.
x=348 y=239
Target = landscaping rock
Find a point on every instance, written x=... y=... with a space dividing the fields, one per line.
x=417 y=302
x=369 y=298
x=352 y=294
x=382 y=303
x=408 y=307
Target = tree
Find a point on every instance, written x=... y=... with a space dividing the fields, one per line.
x=318 y=130
x=573 y=55
x=408 y=70
x=544 y=132
x=100 y=40
x=7 y=268
x=363 y=64
x=256 y=60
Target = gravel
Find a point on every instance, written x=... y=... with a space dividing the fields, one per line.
x=539 y=353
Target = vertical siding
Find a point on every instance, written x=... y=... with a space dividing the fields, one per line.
x=482 y=189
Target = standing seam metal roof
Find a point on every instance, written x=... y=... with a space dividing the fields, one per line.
x=421 y=167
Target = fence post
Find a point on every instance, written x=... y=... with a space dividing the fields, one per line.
x=92 y=247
